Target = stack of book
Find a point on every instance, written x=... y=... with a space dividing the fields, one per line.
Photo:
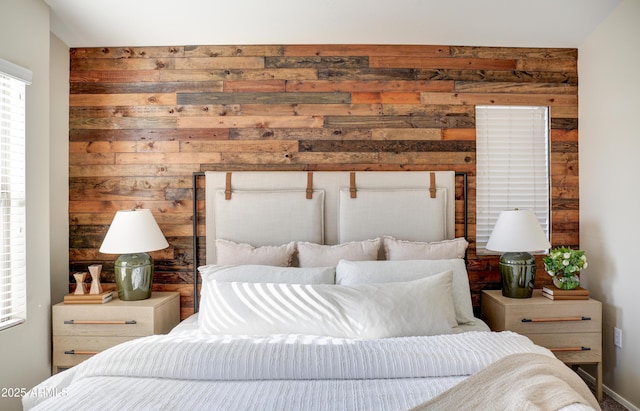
x=555 y=293
x=88 y=298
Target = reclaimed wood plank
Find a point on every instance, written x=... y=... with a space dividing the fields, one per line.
x=406 y=134
x=127 y=170
x=265 y=86
x=263 y=98
x=385 y=98
x=298 y=133
x=236 y=74
x=212 y=63
x=155 y=111
x=122 y=99
x=115 y=205
x=369 y=86
x=147 y=134
x=124 y=146
x=251 y=121
x=443 y=63
x=233 y=50
x=125 y=52
x=311 y=109
x=316 y=61
x=514 y=52
x=459 y=134
x=166 y=158
x=499 y=99
x=110 y=123
x=398 y=121
x=365 y=50
x=396 y=146
x=511 y=87
x=568 y=65
x=113 y=76
x=146 y=87
x=267 y=146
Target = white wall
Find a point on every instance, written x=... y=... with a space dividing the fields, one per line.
x=609 y=146
x=59 y=169
x=26 y=348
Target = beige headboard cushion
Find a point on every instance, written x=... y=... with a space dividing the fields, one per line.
x=272 y=208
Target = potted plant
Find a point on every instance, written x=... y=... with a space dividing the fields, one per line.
x=564 y=264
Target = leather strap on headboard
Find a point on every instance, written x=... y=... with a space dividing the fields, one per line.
x=432 y=184
x=227 y=189
x=309 y=185
x=352 y=185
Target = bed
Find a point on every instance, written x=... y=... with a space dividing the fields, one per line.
x=325 y=291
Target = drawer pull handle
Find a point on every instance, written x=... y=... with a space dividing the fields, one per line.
x=78 y=352
x=100 y=322
x=567 y=349
x=549 y=320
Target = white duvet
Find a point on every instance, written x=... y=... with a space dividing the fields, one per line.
x=192 y=371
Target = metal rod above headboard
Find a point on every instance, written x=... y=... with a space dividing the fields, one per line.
x=196 y=262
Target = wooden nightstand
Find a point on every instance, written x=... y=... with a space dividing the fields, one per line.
x=571 y=329
x=82 y=330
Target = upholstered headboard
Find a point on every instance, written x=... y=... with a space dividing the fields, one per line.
x=272 y=208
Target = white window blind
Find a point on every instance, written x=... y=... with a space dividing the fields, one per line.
x=512 y=166
x=12 y=194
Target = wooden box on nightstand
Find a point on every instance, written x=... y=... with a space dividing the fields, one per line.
x=82 y=330
x=571 y=329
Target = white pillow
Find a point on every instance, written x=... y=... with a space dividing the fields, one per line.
x=395 y=249
x=365 y=272
x=231 y=253
x=268 y=274
x=421 y=307
x=317 y=255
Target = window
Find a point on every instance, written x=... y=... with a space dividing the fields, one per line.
x=13 y=81
x=512 y=166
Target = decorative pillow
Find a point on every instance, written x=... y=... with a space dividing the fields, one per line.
x=316 y=255
x=366 y=272
x=230 y=253
x=414 y=250
x=268 y=274
x=421 y=307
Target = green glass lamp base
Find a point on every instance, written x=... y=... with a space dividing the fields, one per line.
x=518 y=271
x=134 y=276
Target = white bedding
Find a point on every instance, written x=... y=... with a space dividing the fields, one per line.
x=186 y=370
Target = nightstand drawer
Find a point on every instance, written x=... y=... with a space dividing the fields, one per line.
x=556 y=317
x=96 y=320
x=577 y=348
x=71 y=350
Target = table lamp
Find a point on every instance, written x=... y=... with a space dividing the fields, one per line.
x=516 y=233
x=133 y=233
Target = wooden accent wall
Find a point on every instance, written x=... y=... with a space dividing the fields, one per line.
x=142 y=120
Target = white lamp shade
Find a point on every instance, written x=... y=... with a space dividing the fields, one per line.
x=133 y=231
x=517 y=231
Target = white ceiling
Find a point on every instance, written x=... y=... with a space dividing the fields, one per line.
x=515 y=23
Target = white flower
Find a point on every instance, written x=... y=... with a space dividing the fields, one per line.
x=566 y=256
x=565 y=262
x=585 y=265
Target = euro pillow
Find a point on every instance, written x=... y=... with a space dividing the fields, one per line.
x=232 y=253
x=395 y=249
x=268 y=274
x=420 y=307
x=366 y=272
x=317 y=255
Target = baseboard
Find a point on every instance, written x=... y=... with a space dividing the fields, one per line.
x=588 y=377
